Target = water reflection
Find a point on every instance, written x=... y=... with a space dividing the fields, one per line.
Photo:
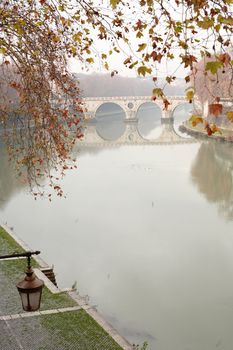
x=149 y=121
x=180 y=114
x=212 y=173
x=110 y=119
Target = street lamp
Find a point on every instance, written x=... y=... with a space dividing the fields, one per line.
x=30 y=288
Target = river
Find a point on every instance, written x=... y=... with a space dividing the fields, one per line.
x=146 y=230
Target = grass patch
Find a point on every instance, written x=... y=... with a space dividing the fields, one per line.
x=77 y=328
x=7 y=244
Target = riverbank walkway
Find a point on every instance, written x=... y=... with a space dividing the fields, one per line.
x=225 y=133
x=65 y=321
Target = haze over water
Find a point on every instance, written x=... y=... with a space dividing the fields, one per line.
x=145 y=230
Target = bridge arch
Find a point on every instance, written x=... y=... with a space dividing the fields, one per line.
x=110 y=121
x=180 y=113
x=108 y=108
x=149 y=120
x=147 y=103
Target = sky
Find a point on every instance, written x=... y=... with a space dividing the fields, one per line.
x=115 y=61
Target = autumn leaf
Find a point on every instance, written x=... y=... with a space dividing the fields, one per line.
x=156 y=56
x=143 y=70
x=195 y=120
x=113 y=73
x=166 y=104
x=141 y=47
x=188 y=60
x=208 y=129
x=90 y=60
x=139 y=34
x=158 y=92
x=127 y=60
x=225 y=58
x=213 y=66
x=3 y=50
x=189 y=95
x=230 y=116
x=212 y=129
x=206 y=23
x=114 y=3
x=225 y=20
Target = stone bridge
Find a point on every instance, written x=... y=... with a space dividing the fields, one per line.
x=131 y=104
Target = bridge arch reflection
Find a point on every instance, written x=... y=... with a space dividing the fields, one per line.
x=180 y=114
x=149 y=123
x=130 y=136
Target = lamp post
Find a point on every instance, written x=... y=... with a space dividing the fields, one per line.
x=30 y=288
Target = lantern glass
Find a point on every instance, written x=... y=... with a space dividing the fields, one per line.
x=30 y=290
x=31 y=300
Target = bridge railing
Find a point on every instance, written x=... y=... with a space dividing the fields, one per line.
x=130 y=98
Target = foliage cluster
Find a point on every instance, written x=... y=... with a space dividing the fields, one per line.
x=41 y=100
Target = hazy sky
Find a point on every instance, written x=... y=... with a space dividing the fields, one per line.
x=115 y=61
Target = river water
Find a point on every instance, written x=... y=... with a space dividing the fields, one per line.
x=146 y=231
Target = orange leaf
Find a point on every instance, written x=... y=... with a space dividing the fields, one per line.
x=208 y=129
x=166 y=103
x=225 y=58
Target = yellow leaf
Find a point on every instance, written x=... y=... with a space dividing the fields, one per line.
x=141 y=47
x=90 y=60
x=106 y=66
x=77 y=37
x=189 y=95
x=55 y=38
x=3 y=51
x=114 y=3
x=206 y=23
x=230 y=115
x=139 y=34
x=195 y=119
x=127 y=60
x=158 y=92
x=143 y=70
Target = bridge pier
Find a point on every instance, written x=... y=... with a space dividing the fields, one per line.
x=167 y=117
x=167 y=120
x=131 y=134
x=130 y=116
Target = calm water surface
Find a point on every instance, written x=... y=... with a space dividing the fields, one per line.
x=147 y=233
